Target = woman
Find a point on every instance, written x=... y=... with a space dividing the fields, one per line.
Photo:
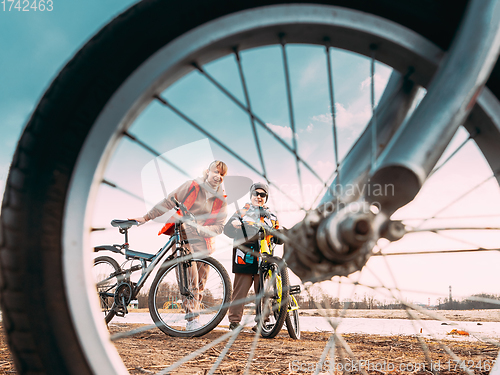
x=204 y=198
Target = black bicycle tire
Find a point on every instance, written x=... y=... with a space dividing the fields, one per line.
x=111 y=314
x=293 y=332
x=228 y=290
x=40 y=173
x=285 y=287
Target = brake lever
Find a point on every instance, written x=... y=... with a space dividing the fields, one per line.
x=185 y=212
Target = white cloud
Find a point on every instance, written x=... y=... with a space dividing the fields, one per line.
x=326 y=118
x=283 y=131
x=313 y=72
x=346 y=117
x=352 y=116
x=380 y=83
x=309 y=128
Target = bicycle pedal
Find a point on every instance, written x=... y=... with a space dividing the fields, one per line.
x=121 y=311
x=295 y=289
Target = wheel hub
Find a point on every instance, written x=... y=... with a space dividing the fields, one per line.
x=327 y=244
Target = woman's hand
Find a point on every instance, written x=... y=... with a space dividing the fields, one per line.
x=236 y=223
x=140 y=220
x=169 y=204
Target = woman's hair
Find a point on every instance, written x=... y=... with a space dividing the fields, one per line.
x=221 y=167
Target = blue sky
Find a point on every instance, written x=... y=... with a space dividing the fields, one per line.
x=34 y=47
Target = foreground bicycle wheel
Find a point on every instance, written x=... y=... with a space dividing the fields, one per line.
x=104 y=266
x=167 y=306
x=69 y=140
x=273 y=304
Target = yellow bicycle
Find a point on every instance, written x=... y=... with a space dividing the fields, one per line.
x=276 y=303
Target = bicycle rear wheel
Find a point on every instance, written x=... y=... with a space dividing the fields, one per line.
x=104 y=266
x=174 y=313
x=273 y=304
x=292 y=320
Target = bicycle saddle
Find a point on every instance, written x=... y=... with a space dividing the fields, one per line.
x=123 y=224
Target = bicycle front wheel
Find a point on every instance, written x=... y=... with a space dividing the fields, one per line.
x=275 y=293
x=88 y=113
x=198 y=310
x=105 y=266
x=292 y=320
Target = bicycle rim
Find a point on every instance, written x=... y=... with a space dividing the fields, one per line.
x=273 y=303
x=405 y=49
x=171 y=310
x=106 y=286
x=293 y=324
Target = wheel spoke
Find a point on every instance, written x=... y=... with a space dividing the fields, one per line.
x=155 y=153
x=410 y=307
x=439 y=229
x=290 y=110
x=198 y=352
x=483 y=299
x=399 y=98
x=453 y=251
x=437 y=168
x=423 y=344
x=474 y=188
x=334 y=122
x=337 y=338
x=252 y=118
x=132 y=332
x=453 y=217
x=328 y=349
x=123 y=190
x=261 y=123
x=374 y=113
x=222 y=145
x=224 y=352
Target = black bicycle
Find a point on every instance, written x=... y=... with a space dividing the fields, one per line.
x=190 y=294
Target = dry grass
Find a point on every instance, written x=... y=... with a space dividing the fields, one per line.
x=151 y=351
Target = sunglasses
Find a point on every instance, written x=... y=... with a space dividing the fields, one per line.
x=262 y=195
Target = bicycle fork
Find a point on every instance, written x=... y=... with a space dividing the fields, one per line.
x=182 y=269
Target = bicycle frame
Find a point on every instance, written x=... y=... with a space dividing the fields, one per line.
x=154 y=260
x=293 y=305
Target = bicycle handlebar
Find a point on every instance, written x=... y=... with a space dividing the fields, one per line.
x=262 y=227
x=185 y=212
x=258 y=226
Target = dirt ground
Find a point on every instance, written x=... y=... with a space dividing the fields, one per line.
x=151 y=351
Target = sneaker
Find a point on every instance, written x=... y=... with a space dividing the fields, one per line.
x=193 y=325
x=233 y=325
